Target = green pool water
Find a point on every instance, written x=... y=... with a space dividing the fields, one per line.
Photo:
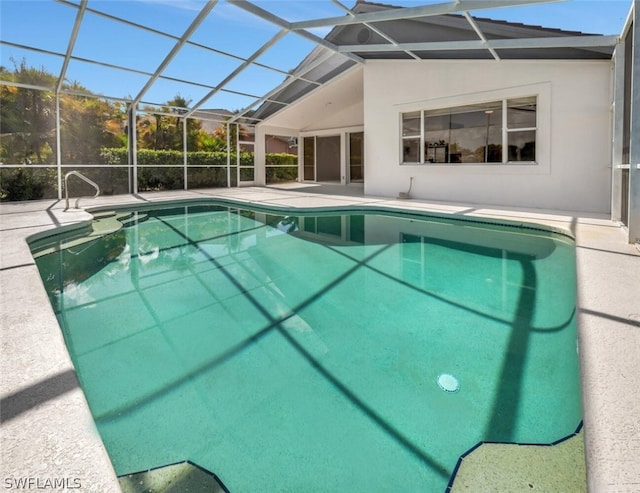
x=306 y=353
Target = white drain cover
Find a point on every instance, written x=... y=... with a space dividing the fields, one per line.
x=448 y=382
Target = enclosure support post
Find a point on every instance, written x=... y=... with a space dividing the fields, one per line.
x=133 y=151
x=228 y=156
x=184 y=151
x=58 y=150
x=618 y=131
x=634 y=160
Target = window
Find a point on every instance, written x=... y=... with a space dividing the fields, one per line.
x=411 y=131
x=521 y=129
x=497 y=132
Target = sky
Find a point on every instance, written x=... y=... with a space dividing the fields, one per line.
x=48 y=24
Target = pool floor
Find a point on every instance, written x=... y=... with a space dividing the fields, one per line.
x=304 y=354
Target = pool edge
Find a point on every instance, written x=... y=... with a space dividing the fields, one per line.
x=603 y=356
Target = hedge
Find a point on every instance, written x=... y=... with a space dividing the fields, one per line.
x=165 y=172
x=119 y=155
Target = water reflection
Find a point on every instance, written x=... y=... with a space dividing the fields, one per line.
x=243 y=327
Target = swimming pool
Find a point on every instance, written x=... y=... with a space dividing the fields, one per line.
x=299 y=352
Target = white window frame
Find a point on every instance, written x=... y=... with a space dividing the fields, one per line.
x=506 y=131
x=420 y=138
x=505 y=134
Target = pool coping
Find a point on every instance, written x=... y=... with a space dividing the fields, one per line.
x=36 y=371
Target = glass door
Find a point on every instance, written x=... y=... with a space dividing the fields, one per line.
x=309 y=172
x=356 y=157
x=245 y=156
x=328 y=158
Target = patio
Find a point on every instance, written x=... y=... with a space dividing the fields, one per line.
x=48 y=434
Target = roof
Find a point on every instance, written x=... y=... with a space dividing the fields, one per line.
x=451 y=28
x=449 y=36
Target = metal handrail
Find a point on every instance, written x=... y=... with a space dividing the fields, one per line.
x=66 y=187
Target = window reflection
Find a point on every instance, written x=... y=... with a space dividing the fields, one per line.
x=478 y=133
x=522 y=146
x=469 y=134
x=411 y=151
x=521 y=124
x=521 y=113
x=411 y=124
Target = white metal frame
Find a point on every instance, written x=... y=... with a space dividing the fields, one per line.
x=349 y=53
x=634 y=158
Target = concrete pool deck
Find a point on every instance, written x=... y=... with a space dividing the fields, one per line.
x=47 y=435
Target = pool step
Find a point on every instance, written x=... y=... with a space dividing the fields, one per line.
x=104 y=223
x=174 y=478
x=514 y=467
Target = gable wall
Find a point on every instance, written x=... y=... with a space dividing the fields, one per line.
x=573 y=142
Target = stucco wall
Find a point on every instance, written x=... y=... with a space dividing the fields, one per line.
x=573 y=143
x=333 y=105
x=260 y=148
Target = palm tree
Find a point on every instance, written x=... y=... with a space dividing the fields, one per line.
x=236 y=131
x=160 y=131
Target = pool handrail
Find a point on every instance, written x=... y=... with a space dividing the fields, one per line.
x=66 y=187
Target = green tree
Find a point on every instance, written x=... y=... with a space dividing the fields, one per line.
x=165 y=132
x=205 y=141
x=89 y=124
x=27 y=119
x=235 y=132
x=175 y=125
